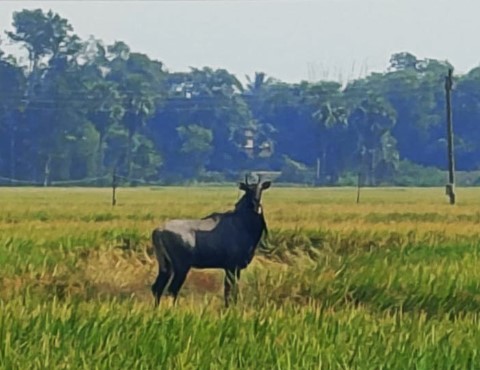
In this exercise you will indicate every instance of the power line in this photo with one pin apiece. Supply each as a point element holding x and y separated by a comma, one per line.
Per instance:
<point>177,1</point>
<point>55,182</point>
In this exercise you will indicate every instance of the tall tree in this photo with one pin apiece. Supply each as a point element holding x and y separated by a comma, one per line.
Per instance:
<point>52,50</point>
<point>12,84</point>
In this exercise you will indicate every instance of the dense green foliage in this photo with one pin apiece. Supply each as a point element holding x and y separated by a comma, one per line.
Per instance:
<point>364,286</point>
<point>74,109</point>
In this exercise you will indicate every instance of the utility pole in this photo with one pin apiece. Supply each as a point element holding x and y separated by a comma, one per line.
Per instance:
<point>450,188</point>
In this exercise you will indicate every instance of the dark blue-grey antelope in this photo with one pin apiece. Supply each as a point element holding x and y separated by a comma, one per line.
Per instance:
<point>221,240</point>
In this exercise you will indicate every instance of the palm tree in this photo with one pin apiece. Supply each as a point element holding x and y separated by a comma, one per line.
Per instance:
<point>373,119</point>
<point>140,106</point>
<point>105,111</point>
<point>329,116</point>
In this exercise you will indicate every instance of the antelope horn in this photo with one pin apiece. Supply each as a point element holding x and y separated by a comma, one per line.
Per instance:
<point>246,179</point>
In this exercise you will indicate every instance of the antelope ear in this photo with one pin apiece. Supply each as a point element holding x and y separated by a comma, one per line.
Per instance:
<point>266,185</point>
<point>242,186</point>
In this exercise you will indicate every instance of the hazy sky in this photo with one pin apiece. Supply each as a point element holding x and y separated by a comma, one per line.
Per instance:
<point>290,40</point>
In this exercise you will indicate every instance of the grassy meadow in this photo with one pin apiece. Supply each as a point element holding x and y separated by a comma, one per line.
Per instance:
<point>390,283</point>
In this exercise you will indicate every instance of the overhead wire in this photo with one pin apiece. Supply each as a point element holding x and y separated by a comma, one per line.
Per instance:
<point>8,180</point>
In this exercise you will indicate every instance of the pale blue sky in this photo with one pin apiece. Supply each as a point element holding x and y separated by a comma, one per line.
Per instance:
<point>290,40</point>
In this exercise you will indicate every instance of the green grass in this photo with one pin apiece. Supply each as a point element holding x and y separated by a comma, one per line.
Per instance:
<point>390,283</point>
<point>126,334</point>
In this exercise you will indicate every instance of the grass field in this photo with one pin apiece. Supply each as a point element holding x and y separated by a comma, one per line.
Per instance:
<point>390,283</point>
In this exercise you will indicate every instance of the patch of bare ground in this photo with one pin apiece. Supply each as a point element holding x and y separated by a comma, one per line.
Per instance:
<point>119,273</point>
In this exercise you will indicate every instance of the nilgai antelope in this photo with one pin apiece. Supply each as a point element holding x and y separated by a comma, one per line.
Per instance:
<point>221,240</point>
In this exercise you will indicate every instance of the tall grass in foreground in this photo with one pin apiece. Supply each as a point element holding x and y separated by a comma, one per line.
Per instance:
<point>112,334</point>
<point>390,283</point>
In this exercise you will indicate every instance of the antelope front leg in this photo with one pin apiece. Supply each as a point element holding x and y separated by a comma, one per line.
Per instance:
<point>231,285</point>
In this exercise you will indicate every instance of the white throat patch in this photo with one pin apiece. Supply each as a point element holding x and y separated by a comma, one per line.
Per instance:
<point>260,210</point>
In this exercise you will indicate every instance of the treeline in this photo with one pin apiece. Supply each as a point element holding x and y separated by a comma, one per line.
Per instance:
<point>76,109</point>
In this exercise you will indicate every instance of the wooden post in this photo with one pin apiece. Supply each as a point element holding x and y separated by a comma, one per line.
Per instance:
<point>114,186</point>
<point>450,188</point>
<point>358,186</point>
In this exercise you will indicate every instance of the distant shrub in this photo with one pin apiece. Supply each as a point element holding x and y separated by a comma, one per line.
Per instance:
<point>211,177</point>
<point>411,174</point>
<point>296,172</point>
